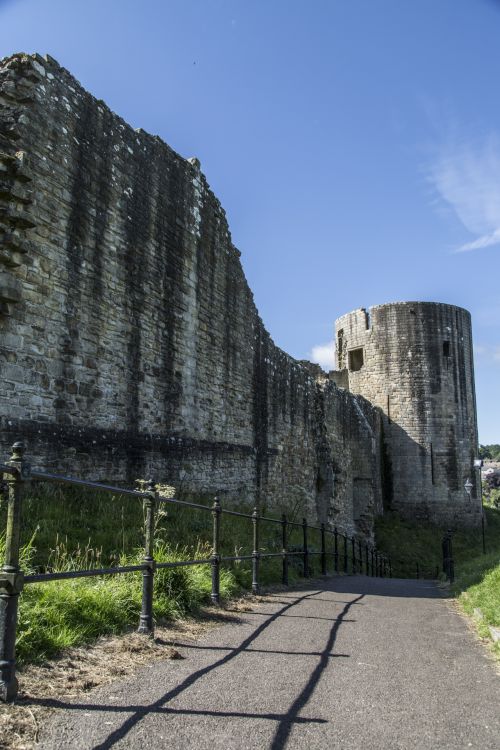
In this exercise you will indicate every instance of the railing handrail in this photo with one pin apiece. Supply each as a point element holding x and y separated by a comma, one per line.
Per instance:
<point>18,473</point>
<point>42,476</point>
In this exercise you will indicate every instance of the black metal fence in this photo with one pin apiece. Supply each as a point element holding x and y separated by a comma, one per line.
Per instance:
<point>339,552</point>
<point>448,563</point>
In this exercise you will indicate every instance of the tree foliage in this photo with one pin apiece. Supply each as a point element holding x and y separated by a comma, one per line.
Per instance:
<point>490,452</point>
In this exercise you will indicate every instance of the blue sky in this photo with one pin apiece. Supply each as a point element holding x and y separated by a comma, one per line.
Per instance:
<point>355,144</point>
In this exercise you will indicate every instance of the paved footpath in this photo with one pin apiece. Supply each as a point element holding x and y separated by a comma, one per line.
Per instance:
<point>350,662</point>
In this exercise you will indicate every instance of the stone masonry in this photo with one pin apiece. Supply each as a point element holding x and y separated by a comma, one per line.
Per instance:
<point>413,360</point>
<point>130,344</point>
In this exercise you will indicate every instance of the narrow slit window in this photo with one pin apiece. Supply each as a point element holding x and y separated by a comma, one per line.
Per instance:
<point>446,349</point>
<point>356,359</point>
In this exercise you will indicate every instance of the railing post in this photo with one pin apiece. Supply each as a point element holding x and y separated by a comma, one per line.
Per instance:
<point>448,563</point>
<point>367,565</point>
<point>255,553</point>
<point>323,550</point>
<point>376,563</point>
<point>483,536</point>
<point>336,549</point>
<point>444,547</point>
<point>390,568</point>
<point>146,621</point>
<point>305,552</point>
<point>360,557</point>
<point>451,562</point>
<point>353,552</point>
<point>215,557</point>
<point>284,541</point>
<point>11,576</point>
<point>346,566</point>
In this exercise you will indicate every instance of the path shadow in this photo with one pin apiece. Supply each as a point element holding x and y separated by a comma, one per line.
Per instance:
<point>285,720</point>
<point>286,723</point>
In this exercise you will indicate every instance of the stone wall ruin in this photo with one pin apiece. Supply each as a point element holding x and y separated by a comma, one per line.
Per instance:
<point>413,360</point>
<point>130,343</point>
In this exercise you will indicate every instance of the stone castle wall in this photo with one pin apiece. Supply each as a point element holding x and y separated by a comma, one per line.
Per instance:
<point>413,360</point>
<point>130,344</point>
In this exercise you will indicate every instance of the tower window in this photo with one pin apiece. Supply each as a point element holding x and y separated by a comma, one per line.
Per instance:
<point>356,360</point>
<point>446,349</point>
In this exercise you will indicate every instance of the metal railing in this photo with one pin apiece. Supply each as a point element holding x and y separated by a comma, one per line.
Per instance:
<point>448,563</point>
<point>348,554</point>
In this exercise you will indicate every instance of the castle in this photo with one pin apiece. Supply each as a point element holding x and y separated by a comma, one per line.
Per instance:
<point>131,346</point>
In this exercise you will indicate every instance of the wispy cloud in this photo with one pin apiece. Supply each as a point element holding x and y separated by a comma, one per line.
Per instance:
<point>466,176</point>
<point>324,355</point>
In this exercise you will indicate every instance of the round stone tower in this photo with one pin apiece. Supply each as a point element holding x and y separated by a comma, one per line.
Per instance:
<point>414,361</point>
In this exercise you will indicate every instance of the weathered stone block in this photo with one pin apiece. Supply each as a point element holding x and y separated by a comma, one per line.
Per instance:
<point>10,288</point>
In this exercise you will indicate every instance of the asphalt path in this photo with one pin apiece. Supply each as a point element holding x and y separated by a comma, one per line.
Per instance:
<point>349,662</point>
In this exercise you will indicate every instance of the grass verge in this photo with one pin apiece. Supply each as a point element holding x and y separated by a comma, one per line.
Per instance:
<point>60,614</point>
<point>66,529</point>
<point>477,575</point>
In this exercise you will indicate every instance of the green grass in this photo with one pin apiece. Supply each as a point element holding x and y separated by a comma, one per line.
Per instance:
<point>99,528</point>
<point>59,614</point>
<point>67,529</point>
<point>477,575</point>
<point>478,590</point>
<point>407,543</point>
